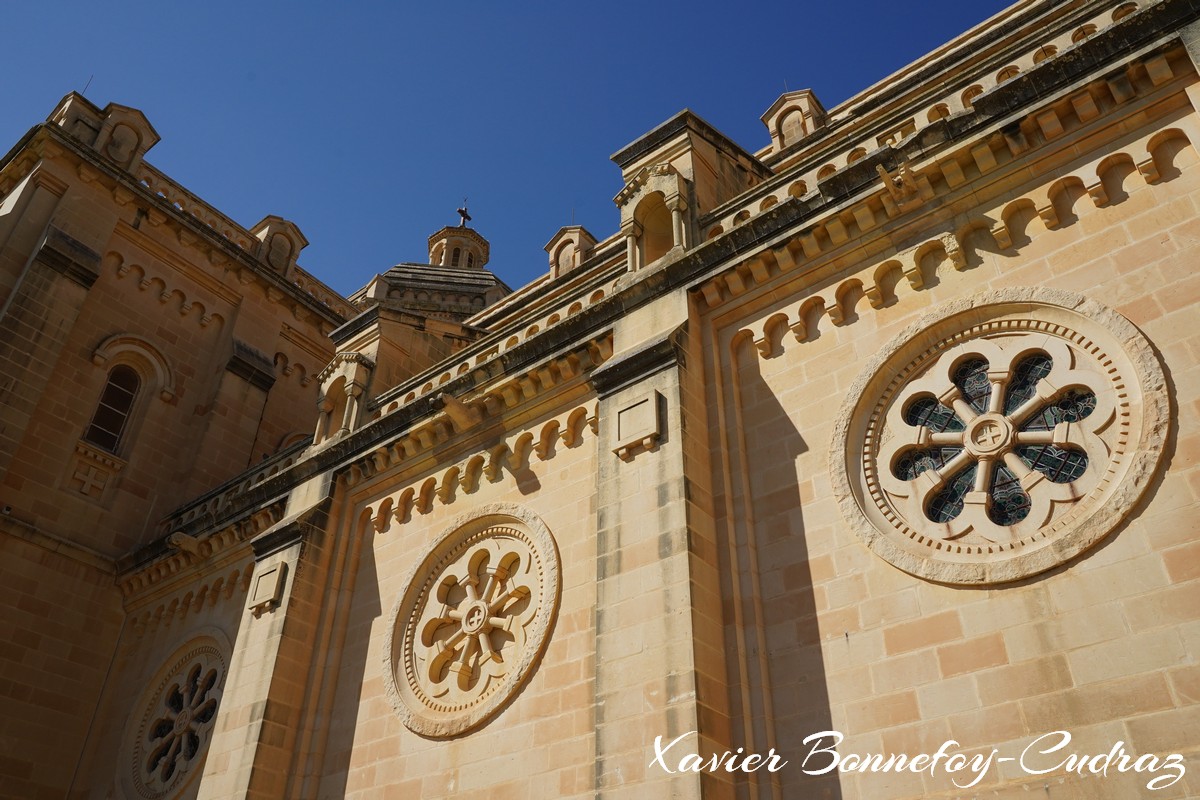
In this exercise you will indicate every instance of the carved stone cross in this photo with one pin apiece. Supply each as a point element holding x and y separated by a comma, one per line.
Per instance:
<point>90,479</point>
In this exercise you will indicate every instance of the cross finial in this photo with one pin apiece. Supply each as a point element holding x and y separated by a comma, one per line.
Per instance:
<point>462,212</point>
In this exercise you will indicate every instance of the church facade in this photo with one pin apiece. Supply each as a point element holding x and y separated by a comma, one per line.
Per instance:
<point>874,445</point>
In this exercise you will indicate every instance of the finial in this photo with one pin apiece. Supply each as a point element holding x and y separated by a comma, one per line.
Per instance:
<point>462,212</point>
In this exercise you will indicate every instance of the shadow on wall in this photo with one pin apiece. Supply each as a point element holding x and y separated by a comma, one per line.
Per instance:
<point>352,672</point>
<point>779,692</point>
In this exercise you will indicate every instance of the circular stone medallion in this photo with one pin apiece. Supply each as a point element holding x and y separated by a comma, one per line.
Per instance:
<point>1000,436</point>
<point>473,620</point>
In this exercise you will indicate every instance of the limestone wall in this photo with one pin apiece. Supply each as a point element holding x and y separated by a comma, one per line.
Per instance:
<point>541,743</point>
<point>1100,645</point>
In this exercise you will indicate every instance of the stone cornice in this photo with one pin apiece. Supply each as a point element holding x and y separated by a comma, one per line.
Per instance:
<point>251,366</point>
<point>683,122</point>
<point>605,263</point>
<point>831,289</point>
<point>404,316</point>
<point>344,358</point>
<point>463,416</point>
<point>184,550</point>
<point>634,365</point>
<point>170,258</point>
<point>125,187</point>
<point>69,258</point>
<point>969,56</point>
<point>218,583</point>
<point>290,530</point>
<point>1148,25</point>
<point>515,379</point>
<point>850,200</point>
<point>515,453</point>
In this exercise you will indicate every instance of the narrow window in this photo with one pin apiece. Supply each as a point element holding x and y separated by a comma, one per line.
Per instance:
<point>113,410</point>
<point>470,260</point>
<point>455,256</point>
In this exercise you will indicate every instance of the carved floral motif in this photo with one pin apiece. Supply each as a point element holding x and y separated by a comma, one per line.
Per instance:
<point>474,619</point>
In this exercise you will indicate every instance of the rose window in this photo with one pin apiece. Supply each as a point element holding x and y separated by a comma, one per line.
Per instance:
<point>991,438</point>
<point>994,439</point>
<point>472,622</point>
<point>996,449</point>
<point>178,722</point>
<point>189,707</point>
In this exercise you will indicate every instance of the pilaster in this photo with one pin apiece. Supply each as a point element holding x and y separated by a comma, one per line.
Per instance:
<point>37,318</point>
<point>252,750</point>
<point>647,591</point>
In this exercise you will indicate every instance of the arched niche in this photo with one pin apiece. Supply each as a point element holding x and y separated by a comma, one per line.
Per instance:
<point>653,207</point>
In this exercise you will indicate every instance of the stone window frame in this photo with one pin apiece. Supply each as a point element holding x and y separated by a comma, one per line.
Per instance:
<point>1114,347</point>
<point>155,377</point>
<point>449,554</point>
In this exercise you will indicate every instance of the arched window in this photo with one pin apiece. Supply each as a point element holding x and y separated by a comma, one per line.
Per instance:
<point>455,256</point>
<point>470,260</point>
<point>112,412</point>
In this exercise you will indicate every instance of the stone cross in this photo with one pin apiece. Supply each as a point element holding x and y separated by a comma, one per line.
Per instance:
<point>90,479</point>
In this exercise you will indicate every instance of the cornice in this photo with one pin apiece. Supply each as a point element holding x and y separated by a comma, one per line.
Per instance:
<point>858,121</point>
<point>503,386</point>
<point>857,202</point>
<point>515,454</point>
<point>635,365</point>
<point>459,417</point>
<point>222,252</point>
<point>834,295</point>
<point>180,552</point>
<point>683,122</point>
<point>344,358</point>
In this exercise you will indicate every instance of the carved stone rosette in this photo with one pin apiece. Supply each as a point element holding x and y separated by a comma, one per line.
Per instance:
<point>473,620</point>
<point>179,712</point>
<point>1000,436</point>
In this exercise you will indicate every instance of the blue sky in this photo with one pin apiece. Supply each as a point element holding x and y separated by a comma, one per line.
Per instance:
<point>366,123</point>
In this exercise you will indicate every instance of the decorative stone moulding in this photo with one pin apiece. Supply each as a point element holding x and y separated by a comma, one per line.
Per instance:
<point>473,621</point>
<point>1000,436</point>
<point>179,711</point>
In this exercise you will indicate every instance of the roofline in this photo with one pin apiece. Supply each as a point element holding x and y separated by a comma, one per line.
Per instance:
<point>681,122</point>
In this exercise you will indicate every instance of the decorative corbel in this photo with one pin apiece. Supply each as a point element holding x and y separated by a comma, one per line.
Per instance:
<point>462,415</point>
